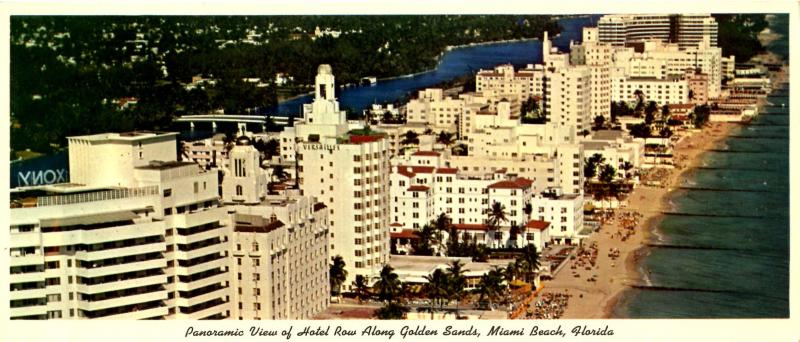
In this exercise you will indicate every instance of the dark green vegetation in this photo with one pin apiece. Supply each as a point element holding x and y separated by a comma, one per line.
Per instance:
<point>738,34</point>
<point>68,73</point>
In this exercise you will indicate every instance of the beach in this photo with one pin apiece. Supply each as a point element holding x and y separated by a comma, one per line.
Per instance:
<point>594,290</point>
<point>615,264</point>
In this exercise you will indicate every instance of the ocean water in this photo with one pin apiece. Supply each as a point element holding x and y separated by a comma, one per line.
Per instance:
<point>728,257</point>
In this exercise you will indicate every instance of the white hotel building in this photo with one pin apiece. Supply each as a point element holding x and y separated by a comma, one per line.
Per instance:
<point>137,235</point>
<point>347,169</point>
<point>281,259</point>
<point>423,187</point>
<point>687,30</point>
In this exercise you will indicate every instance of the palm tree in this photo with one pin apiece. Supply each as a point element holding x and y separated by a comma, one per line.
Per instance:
<point>457,282</point>
<point>442,223</point>
<point>530,260</point>
<point>337,274</point>
<point>436,288</point>
<point>411,138</point>
<point>428,237</point>
<point>491,285</point>
<point>391,311</point>
<point>445,138</point>
<point>388,286</point>
<point>607,175</point>
<point>460,150</point>
<point>362,289</point>
<point>627,166</point>
<point>513,233</point>
<point>497,215</point>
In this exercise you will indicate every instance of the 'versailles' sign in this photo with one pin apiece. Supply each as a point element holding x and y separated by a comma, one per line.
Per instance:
<point>40,171</point>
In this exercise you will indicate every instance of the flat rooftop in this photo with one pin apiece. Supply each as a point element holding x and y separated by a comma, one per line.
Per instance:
<point>124,136</point>
<point>156,165</point>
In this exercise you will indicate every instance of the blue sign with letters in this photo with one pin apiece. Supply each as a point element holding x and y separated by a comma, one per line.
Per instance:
<point>43,170</point>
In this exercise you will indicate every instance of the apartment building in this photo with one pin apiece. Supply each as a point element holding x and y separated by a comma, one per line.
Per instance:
<point>281,259</point>
<point>346,167</point>
<point>655,59</point>
<point>434,109</point>
<point>598,56</point>
<point>663,91</point>
<point>206,152</point>
<point>504,81</point>
<point>144,241</point>
<point>564,212</point>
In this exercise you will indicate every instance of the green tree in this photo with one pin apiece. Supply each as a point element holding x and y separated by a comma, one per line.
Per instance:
<point>411,138</point>
<point>436,288</point>
<point>388,286</point>
<point>599,122</point>
<point>391,310</point>
<point>530,261</point>
<point>445,138</point>
<point>337,274</point>
<point>362,289</point>
<point>496,216</point>
<point>700,116</point>
<point>640,130</point>
<point>457,282</point>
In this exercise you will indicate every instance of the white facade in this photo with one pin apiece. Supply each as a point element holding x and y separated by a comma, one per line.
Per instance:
<point>348,171</point>
<point>432,108</point>
<point>662,91</point>
<point>688,30</point>
<point>152,246</point>
<point>281,259</point>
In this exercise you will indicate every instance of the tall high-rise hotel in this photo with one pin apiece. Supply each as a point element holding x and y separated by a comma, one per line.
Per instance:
<point>136,235</point>
<point>686,30</point>
<point>346,167</point>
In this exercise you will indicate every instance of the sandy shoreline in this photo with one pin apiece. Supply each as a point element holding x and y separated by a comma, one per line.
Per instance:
<point>598,299</point>
<point>592,300</point>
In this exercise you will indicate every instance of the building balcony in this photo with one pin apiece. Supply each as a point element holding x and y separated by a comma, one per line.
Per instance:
<point>155,312</point>
<point>94,236</point>
<point>122,300</point>
<point>199,299</point>
<point>213,264</point>
<point>26,277</point>
<point>28,311</point>
<point>200,217</point>
<point>187,239</point>
<point>28,259</point>
<point>216,308</point>
<point>27,294</point>
<point>122,284</point>
<point>188,255</point>
<point>122,268</point>
<point>121,252</point>
<point>218,278</point>
<point>25,239</point>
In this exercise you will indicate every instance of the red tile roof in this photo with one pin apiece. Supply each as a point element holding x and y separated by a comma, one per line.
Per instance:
<point>420,169</point>
<point>417,188</point>
<point>360,139</point>
<point>518,183</point>
<point>405,172</point>
<point>426,153</point>
<point>537,224</point>
<point>465,226</point>
<point>450,170</point>
<point>405,234</point>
